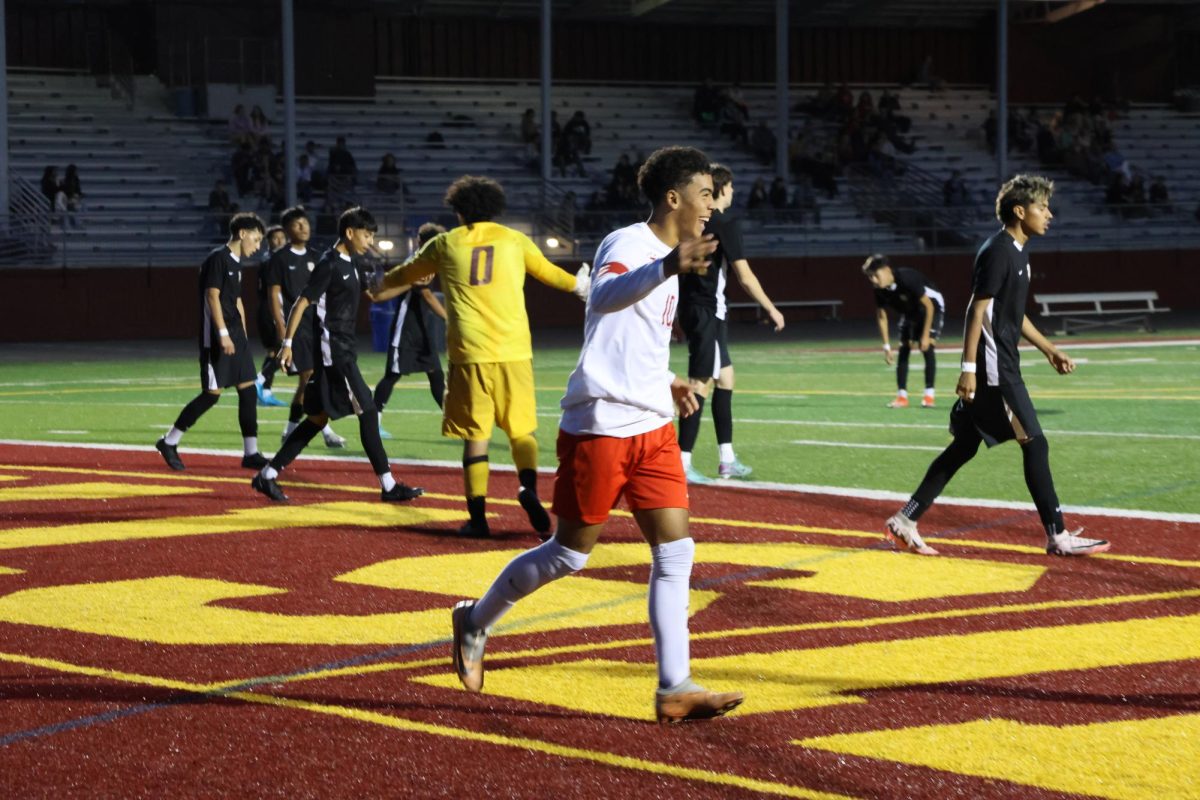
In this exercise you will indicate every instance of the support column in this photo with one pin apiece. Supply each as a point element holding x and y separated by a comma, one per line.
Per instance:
<point>3,119</point>
<point>781,89</point>
<point>547,134</point>
<point>287,38</point>
<point>1001,91</point>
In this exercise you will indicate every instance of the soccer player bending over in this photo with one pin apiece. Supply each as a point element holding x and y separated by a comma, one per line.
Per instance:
<point>225,358</point>
<point>337,388</point>
<point>922,310</point>
<point>616,435</point>
<point>993,404</point>
<point>482,265</point>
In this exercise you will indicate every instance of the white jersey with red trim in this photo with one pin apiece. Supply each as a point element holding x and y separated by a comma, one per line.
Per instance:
<point>622,384</point>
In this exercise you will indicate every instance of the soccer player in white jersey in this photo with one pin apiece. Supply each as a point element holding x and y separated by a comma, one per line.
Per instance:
<point>616,435</point>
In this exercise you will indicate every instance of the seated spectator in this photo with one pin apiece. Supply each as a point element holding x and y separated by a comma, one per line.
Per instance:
<point>239,126</point>
<point>260,127</point>
<point>758,195</point>
<point>72,188</point>
<point>778,195</point>
<point>50,186</point>
<point>579,131</point>
<point>304,178</point>
<point>529,127</point>
<point>341,162</point>
<point>315,163</point>
<point>435,141</point>
<point>705,103</point>
<point>1115,161</point>
<point>567,155</point>
<point>387,179</point>
<point>241,166</point>
<point>888,102</point>
<point>732,118</point>
<point>954,190</point>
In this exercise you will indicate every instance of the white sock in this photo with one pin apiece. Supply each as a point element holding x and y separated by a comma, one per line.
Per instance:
<point>387,481</point>
<point>260,379</point>
<point>902,393</point>
<point>670,579</point>
<point>250,445</point>
<point>288,427</point>
<point>929,392</point>
<point>523,576</point>
<point>173,437</point>
<point>269,472</point>
<point>726,451</point>
<point>267,392</point>
<point>327,431</point>
<point>687,459</point>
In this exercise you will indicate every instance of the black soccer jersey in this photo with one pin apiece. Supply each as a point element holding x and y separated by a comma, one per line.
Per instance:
<point>904,296</point>
<point>703,290</point>
<point>290,271</point>
<point>220,271</point>
<point>1001,273</point>
<point>334,288</point>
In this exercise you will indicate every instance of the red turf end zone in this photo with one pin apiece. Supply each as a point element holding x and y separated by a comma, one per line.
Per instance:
<point>166,633</point>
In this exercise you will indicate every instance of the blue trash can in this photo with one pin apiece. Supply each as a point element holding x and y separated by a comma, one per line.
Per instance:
<point>381,321</point>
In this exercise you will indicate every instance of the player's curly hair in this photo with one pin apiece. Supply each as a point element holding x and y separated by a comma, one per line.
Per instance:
<point>670,168</point>
<point>722,176</point>
<point>875,262</point>
<point>427,232</point>
<point>476,198</point>
<point>1021,190</point>
<point>245,221</point>
<point>356,217</point>
<point>292,214</point>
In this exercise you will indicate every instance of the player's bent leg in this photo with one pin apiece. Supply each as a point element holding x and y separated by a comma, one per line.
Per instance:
<point>248,423</point>
<point>1035,455</point>
<point>902,355</point>
<point>525,457</point>
<point>168,445</point>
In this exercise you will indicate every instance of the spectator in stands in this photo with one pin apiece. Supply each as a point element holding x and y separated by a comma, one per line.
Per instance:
<point>530,136</point>
<point>566,154</point>
<point>304,179</point>
<point>72,188</point>
<point>260,126</point>
<point>732,117</point>
<point>579,131</point>
<point>239,126</point>
<point>843,103</point>
<point>241,167</point>
<point>778,194</point>
<point>865,109</point>
<point>624,173</point>
<point>762,142</point>
<point>882,157</point>
<point>50,186</point>
<point>888,102</point>
<point>387,179</point>
<point>758,195</point>
<point>954,190</point>
<point>341,161</point>
<point>316,164</point>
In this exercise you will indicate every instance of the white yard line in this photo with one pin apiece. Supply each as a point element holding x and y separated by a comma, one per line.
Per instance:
<point>819,443</point>
<point>798,488</point>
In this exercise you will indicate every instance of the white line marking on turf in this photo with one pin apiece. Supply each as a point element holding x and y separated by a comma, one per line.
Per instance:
<point>816,423</point>
<point>796,488</point>
<point>819,443</point>
<point>97,382</point>
<point>69,433</point>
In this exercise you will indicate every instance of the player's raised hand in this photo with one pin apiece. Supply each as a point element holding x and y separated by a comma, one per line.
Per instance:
<point>583,282</point>
<point>685,398</point>
<point>1063,364</point>
<point>691,256</point>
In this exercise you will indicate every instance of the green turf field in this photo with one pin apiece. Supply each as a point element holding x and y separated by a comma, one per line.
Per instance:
<point>1124,430</point>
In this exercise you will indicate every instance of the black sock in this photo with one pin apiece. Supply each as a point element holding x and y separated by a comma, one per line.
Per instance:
<point>296,410</point>
<point>368,432</point>
<point>477,508</point>
<point>930,367</point>
<point>248,411</point>
<point>195,409</point>
<point>383,389</point>
<point>1036,457</point>
<point>943,468</point>
<point>914,508</point>
<point>722,413</point>
<point>528,479</point>
<point>902,366</point>
<point>296,441</point>
<point>689,427</point>
<point>270,366</point>
<point>437,385</point>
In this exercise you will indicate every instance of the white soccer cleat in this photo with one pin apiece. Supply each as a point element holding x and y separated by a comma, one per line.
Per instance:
<point>332,440</point>
<point>583,282</point>
<point>902,532</point>
<point>1070,543</point>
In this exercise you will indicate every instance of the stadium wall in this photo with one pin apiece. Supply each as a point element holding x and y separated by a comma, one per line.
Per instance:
<point>140,303</point>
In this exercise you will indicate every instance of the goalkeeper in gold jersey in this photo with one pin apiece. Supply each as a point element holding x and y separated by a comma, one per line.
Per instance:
<point>482,266</point>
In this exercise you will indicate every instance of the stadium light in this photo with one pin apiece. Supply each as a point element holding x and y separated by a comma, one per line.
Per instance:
<point>552,242</point>
<point>386,245</point>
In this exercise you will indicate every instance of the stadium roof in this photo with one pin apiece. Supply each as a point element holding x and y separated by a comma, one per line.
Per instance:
<point>815,13</point>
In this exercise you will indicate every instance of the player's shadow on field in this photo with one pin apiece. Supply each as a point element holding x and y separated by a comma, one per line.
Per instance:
<point>1158,700</point>
<point>497,534</point>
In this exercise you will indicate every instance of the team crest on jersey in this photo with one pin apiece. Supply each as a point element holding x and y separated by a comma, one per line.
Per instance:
<point>311,266</point>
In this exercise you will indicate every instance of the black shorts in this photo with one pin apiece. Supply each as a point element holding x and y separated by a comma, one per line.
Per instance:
<point>268,334</point>
<point>338,390</point>
<point>999,413</point>
<point>219,371</point>
<point>910,327</point>
<point>303,351</point>
<point>708,342</point>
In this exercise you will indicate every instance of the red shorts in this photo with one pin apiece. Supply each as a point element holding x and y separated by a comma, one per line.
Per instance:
<point>594,471</point>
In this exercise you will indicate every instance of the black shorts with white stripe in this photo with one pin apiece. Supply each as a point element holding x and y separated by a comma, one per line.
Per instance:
<point>998,414</point>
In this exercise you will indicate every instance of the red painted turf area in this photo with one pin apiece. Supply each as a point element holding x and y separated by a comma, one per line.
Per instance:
<point>67,733</point>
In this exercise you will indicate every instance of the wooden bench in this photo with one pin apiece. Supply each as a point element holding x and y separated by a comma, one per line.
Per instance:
<point>1086,310</point>
<point>833,307</point>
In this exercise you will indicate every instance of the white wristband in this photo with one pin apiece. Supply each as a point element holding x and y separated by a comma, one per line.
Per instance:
<point>887,348</point>
<point>286,343</point>
<point>968,367</point>
<point>223,332</point>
